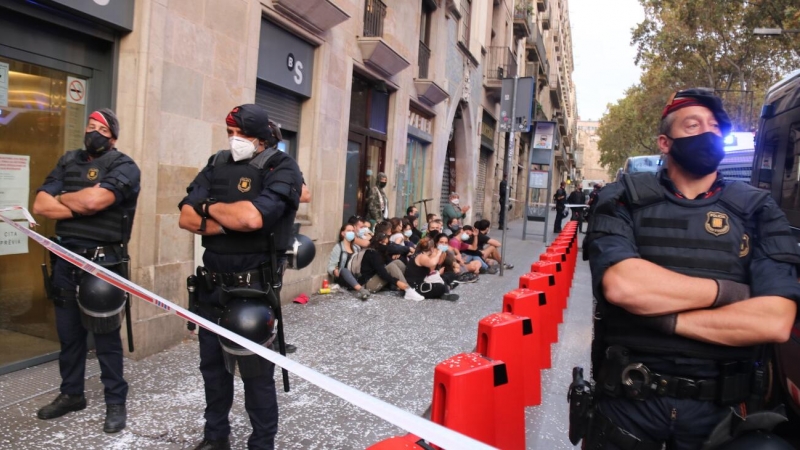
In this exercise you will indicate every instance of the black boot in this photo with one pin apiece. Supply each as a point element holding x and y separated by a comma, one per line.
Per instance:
<point>208,444</point>
<point>116,416</point>
<point>61,405</point>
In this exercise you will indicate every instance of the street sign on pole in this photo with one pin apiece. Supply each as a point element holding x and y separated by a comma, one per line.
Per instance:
<point>523,95</point>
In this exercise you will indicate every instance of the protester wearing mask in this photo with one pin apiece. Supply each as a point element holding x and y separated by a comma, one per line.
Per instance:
<point>339,262</point>
<point>408,233</point>
<point>422,275</point>
<point>92,194</point>
<point>413,220</point>
<point>377,201</point>
<point>454,270</point>
<point>453,227</point>
<point>467,242</point>
<point>454,209</point>
<point>362,230</point>
<point>376,274</point>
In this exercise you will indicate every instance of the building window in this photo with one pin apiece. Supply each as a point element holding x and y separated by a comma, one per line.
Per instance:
<point>374,12</point>
<point>466,15</point>
<point>424,55</point>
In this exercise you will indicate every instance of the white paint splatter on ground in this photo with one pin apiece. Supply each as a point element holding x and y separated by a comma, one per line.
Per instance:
<point>387,347</point>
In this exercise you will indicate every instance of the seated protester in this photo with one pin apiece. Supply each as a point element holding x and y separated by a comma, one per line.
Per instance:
<point>408,232</point>
<point>396,236</point>
<point>490,248</point>
<point>453,227</point>
<point>423,264</point>
<point>416,234</point>
<point>362,230</point>
<point>384,227</point>
<point>453,269</point>
<point>472,267</point>
<point>341,254</point>
<point>434,226</point>
<point>428,218</point>
<point>468,243</point>
<point>376,274</point>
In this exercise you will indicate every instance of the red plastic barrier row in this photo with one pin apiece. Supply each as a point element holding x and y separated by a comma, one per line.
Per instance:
<point>484,394</point>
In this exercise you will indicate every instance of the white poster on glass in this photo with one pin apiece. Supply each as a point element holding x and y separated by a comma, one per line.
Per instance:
<point>15,174</point>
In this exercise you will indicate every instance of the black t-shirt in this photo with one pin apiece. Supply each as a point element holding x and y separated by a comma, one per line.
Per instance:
<point>560,198</point>
<point>415,274</point>
<point>483,239</point>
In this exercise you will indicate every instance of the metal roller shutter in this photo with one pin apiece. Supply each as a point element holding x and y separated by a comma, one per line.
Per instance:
<point>283,108</point>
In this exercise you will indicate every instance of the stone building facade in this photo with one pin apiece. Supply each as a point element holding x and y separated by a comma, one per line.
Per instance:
<point>358,86</point>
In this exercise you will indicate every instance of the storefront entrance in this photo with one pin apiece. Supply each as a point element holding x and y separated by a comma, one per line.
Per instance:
<point>50,79</point>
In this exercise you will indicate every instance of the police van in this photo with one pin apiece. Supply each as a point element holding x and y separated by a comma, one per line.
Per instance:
<point>737,164</point>
<point>776,168</point>
<point>636,164</point>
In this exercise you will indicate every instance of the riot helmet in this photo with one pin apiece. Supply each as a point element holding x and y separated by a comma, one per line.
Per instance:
<point>302,252</point>
<point>757,440</point>
<point>102,305</point>
<point>247,313</point>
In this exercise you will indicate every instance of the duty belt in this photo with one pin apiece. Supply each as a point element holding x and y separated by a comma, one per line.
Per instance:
<point>95,252</point>
<point>232,279</point>
<point>639,383</point>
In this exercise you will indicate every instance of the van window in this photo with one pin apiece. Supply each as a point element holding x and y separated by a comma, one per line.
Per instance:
<point>790,189</point>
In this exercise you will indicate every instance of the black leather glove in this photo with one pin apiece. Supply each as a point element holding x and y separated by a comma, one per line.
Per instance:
<point>729,292</point>
<point>663,324</point>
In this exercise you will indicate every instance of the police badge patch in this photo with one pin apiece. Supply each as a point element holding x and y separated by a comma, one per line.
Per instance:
<point>717,223</point>
<point>244,184</point>
<point>744,247</point>
<point>92,174</point>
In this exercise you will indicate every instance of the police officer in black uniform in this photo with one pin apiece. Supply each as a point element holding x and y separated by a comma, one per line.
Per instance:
<point>236,202</point>
<point>693,276</point>
<point>92,194</point>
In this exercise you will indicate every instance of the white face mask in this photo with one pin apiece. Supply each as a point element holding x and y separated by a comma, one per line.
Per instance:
<point>241,148</point>
<point>454,201</point>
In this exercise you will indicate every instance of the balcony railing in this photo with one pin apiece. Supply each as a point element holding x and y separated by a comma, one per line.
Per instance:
<point>500,63</point>
<point>374,12</point>
<point>423,58</point>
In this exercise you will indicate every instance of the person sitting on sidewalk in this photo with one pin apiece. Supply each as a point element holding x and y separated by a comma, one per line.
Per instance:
<point>416,234</point>
<point>422,275</point>
<point>339,261</point>
<point>453,227</point>
<point>452,267</point>
<point>408,233</point>
<point>362,230</point>
<point>467,240</point>
<point>489,248</point>
<point>428,218</point>
<point>375,274</point>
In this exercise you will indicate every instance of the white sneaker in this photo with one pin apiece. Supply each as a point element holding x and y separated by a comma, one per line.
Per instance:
<point>412,294</point>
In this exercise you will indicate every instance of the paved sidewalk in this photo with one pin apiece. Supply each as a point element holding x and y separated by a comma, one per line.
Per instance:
<point>387,347</point>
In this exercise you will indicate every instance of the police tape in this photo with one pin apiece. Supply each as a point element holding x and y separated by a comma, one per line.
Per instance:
<point>412,423</point>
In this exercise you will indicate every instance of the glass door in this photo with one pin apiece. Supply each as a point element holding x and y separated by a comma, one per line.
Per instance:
<point>37,124</point>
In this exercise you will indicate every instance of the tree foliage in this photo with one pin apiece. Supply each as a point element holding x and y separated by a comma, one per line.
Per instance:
<point>700,43</point>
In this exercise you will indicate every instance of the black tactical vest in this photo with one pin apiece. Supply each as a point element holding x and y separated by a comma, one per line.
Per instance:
<point>244,180</point>
<point>706,238</point>
<point>109,226</point>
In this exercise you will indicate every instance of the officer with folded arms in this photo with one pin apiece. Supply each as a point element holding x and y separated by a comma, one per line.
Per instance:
<point>92,195</point>
<point>243,202</point>
<point>693,276</point>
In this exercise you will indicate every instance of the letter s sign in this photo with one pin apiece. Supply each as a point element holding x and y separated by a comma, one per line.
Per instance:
<point>298,72</point>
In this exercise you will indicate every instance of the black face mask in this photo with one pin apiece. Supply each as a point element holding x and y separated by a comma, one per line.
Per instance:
<point>381,184</point>
<point>699,155</point>
<point>96,143</point>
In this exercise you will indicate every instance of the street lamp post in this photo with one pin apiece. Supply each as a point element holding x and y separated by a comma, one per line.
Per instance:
<point>773,31</point>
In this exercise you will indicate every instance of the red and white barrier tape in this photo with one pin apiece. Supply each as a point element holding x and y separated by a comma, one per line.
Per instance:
<point>416,425</point>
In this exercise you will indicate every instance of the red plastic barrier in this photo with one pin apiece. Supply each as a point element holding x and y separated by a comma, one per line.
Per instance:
<point>510,338</point>
<point>562,289</point>
<point>545,283</point>
<point>407,442</point>
<point>569,261</point>
<point>470,395</point>
<point>531,304</point>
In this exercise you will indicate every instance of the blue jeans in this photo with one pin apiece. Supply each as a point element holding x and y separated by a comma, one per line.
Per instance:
<point>469,258</point>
